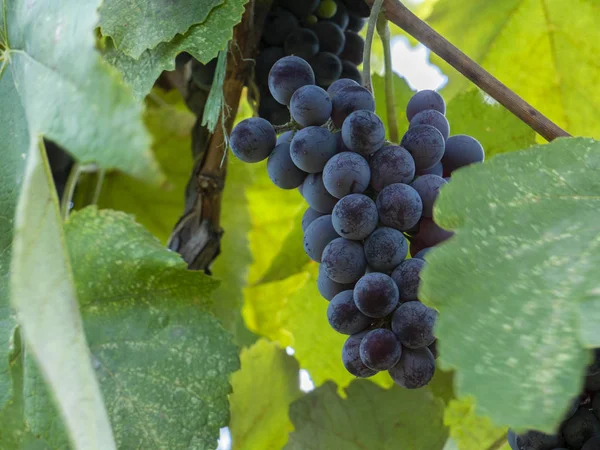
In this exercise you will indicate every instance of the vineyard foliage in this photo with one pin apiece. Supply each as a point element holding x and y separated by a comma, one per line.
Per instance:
<point>108,341</point>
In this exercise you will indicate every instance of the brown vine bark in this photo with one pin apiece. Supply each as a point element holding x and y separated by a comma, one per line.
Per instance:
<point>197,235</point>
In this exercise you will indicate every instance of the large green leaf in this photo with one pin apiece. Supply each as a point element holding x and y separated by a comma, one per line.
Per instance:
<point>370,418</point>
<point>136,26</point>
<point>202,41</point>
<point>517,287</point>
<point>543,50</point>
<point>47,308</point>
<point>263,390</point>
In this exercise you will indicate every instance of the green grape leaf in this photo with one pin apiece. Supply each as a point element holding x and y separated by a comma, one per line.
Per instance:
<point>402,94</point>
<point>516,286</point>
<point>543,50</point>
<point>370,418</point>
<point>263,390</point>
<point>47,308</point>
<point>498,130</point>
<point>202,41</point>
<point>136,26</point>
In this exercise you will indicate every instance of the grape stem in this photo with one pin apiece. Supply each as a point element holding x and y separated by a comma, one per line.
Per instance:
<point>400,15</point>
<point>383,30</point>
<point>376,9</point>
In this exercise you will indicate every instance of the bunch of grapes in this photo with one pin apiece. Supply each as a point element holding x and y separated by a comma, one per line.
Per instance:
<point>369,202</point>
<point>580,429</point>
<point>323,32</point>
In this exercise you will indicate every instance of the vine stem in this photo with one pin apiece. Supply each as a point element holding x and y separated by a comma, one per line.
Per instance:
<point>401,16</point>
<point>369,43</point>
<point>383,30</point>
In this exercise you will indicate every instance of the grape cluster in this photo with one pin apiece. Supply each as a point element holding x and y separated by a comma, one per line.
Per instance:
<point>369,202</point>
<point>322,32</point>
<point>580,429</point>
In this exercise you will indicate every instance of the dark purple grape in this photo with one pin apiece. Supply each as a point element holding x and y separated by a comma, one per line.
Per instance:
<point>344,260</point>
<point>426,145</point>
<point>582,426</point>
<point>354,48</point>
<point>399,206</point>
<point>327,68</point>
<point>315,194</point>
<point>301,42</point>
<point>278,24</point>
<point>349,99</point>
<point>392,164</point>
<point>329,288</point>
<point>376,295</point>
<point>421,253</point>
<point>288,75</point>
<point>351,357</point>
<point>363,132</point>
<point>461,151</point>
<point>407,277</point>
<point>310,215</point>
<point>331,37</point>
<point>341,15</point>
<point>592,444</point>
<point>285,138</point>
<point>264,62</point>
<point>340,84</point>
<point>415,368</point>
<point>312,147</point>
<point>253,140</point>
<point>346,173</point>
<point>343,315</point>
<point>349,70</point>
<point>318,234</point>
<point>434,118</point>
<point>430,234</point>
<point>438,170</point>
<point>355,23</point>
<point>424,100</point>
<point>355,217</point>
<point>358,7</point>
<point>413,324</point>
<point>300,8</point>
<point>380,349</point>
<point>536,440</point>
<point>428,187</point>
<point>282,170</point>
<point>273,111</point>
<point>385,248</point>
<point>310,105</point>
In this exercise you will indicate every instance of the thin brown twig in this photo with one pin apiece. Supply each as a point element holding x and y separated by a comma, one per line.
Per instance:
<point>400,15</point>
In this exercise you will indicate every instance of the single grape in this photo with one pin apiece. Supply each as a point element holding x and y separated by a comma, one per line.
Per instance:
<point>385,249</point>
<point>331,37</point>
<point>349,99</point>
<point>426,145</point>
<point>278,24</point>
<point>340,84</point>
<point>415,368</point>
<point>461,151</point>
<point>355,22</point>
<point>340,18</point>
<point>343,315</point>
<point>353,48</point>
<point>327,9</point>
<point>430,234</point>
<point>309,216</point>
<point>346,173</point>
<point>287,75</point>
<point>312,147</point>
<point>413,324</point>
<point>363,132</point>
<point>424,100</point>
<point>391,164</point>
<point>273,111</point>
<point>327,68</point>
<point>310,105</point>
<point>317,236</point>
<point>253,140</point>
<point>285,138</point>
<point>315,194</point>
<point>428,187</point>
<point>407,277</point>
<point>300,8</point>
<point>355,217</point>
<point>264,62</point>
<point>434,118</point>
<point>536,440</point>
<point>344,260</point>
<point>329,288</point>
<point>351,357</point>
<point>281,169</point>
<point>380,349</point>
<point>349,70</point>
<point>438,170</point>
<point>358,7</point>
<point>203,74</point>
<point>376,295</point>
<point>592,444</point>
<point>399,206</point>
<point>582,426</point>
<point>422,253</point>
<point>301,42</point>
